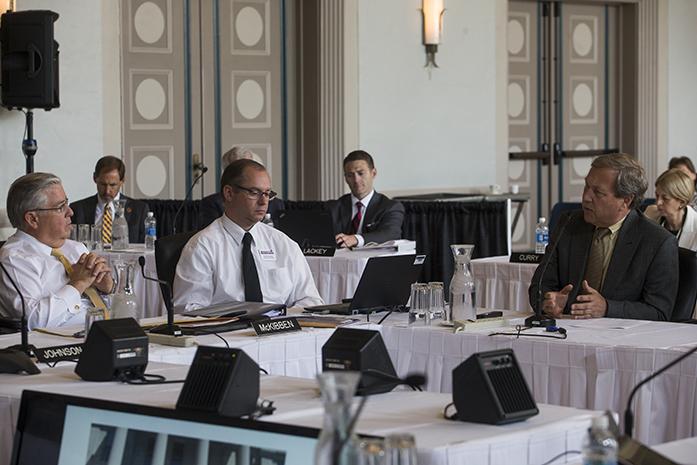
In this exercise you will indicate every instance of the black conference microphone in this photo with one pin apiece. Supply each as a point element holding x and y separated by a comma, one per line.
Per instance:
<point>170,328</point>
<point>539,320</point>
<point>24,346</point>
<point>188,194</point>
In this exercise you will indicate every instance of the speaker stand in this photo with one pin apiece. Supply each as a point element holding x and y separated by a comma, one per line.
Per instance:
<point>29,146</point>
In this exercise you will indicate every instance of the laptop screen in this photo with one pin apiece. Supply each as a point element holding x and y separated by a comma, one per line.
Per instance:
<point>54,429</point>
<point>307,227</point>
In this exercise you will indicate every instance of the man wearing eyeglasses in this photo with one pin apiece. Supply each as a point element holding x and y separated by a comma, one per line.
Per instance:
<point>237,257</point>
<point>211,207</point>
<point>57,277</point>
<point>100,209</point>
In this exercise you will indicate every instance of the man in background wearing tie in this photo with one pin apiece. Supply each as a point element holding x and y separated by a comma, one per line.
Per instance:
<point>364,215</point>
<point>610,259</point>
<point>99,209</point>
<point>57,277</point>
<point>237,258</point>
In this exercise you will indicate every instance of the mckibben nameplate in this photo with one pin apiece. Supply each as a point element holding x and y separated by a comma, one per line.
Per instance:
<point>277,325</point>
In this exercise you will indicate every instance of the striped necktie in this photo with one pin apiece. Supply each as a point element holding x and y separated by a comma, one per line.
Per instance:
<point>106,225</point>
<point>596,258</point>
<point>90,292</point>
<point>356,221</point>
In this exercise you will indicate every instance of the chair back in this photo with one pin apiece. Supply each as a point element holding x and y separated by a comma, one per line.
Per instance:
<point>168,249</point>
<point>557,211</point>
<point>687,286</point>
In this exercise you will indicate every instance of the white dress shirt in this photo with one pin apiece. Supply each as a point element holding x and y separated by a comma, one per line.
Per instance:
<point>365,201</point>
<point>209,271</point>
<point>99,211</point>
<point>50,300</point>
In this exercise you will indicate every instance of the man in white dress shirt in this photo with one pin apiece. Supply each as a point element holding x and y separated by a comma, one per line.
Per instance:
<point>239,258</point>
<point>39,255</point>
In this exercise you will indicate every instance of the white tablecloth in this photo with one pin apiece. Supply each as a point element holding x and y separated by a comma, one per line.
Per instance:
<point>500,284</point>
<point>683,451</point>
<point>147,293</point>
<point>595,368</point>
<point>337,277</point>
<point>439,441</point>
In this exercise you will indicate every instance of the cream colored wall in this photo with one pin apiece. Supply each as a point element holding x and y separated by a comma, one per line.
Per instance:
<point>88,123</point>
<point>439,132</point>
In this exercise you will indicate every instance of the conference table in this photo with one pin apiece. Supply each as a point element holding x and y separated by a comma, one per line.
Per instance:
<point>553,431</point>
<point>501,284</point>
<point>595,367</point>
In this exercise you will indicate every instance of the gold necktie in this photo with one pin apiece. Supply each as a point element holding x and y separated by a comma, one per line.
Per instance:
<point>596,258</point>
<point>90,292</point>
<point>106,225</point>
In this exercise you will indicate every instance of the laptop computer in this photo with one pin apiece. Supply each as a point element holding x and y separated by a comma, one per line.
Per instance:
<point>384,285</point>
<point>309,228</point>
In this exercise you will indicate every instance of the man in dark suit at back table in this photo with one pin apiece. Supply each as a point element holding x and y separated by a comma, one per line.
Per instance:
<point>211,207</point>
<point>364,215</point>
<point>108,175</point>
<point>610,260</point>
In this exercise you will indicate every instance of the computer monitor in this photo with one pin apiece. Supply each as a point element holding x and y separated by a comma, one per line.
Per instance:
<point>54,429</point>
<point>309,228</point>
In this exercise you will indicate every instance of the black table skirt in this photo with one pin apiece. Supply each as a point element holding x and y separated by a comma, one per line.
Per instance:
<point>433,225</point>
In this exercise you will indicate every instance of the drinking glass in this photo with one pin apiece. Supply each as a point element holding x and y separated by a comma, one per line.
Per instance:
<point>96,236</point>
<point>372,452</point>
<point>418,309</point>
<point>436,306</point>
<point>83,235</point>
<point>400,449</point>
<point>73,232</point>
<point>91,315</point>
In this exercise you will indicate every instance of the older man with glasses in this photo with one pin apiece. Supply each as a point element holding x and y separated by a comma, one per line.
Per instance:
<point>57,277</point>
<point>239,258</point>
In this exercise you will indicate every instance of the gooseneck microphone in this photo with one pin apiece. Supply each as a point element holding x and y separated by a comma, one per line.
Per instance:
<point>24,346</point>
<point>539,320</point>
<point>170,328</point>
<point>186,197</point>
<point>628,414</point>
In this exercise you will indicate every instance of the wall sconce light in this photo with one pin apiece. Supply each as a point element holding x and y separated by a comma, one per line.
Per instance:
<point>433,27</point>
<point>7,5</point>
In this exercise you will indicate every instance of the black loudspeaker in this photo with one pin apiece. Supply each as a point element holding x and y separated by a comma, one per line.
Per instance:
<point>221,380</point>
<point>489,387</point>
<point>361,350</point>
<point>113,349</point>
<point>29,60</point>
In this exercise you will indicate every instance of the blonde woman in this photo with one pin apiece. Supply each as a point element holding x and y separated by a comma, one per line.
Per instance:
<point>674,191</point>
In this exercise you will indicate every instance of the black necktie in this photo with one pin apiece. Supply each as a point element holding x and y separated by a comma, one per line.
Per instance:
<point>252,289</point>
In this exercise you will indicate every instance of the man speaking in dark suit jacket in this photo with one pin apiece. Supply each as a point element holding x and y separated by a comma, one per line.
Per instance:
<point>610,260</point>
<point>108,176</point>
<point>364,215</point>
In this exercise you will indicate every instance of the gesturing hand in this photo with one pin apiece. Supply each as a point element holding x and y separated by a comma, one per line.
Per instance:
<point>554,302</point>
<point>590,304</point>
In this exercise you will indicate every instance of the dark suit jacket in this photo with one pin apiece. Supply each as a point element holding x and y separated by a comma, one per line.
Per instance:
<point>382,222</point>
<point>211,208</point>
<point>136,212</point>
<point>641,281</point>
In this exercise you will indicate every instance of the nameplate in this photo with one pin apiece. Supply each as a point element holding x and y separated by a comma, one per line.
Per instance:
<point>319,251</point>
<point>58,353</point>
<point>277,325</point>
<point>526,257</point>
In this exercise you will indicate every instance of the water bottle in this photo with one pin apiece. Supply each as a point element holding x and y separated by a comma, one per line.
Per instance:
<point>150,231</point>
<point>600,445</point>
<point>268,220</point>
<point>541,235</point>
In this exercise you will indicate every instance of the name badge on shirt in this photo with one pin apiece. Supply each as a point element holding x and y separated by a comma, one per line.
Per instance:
<point>269,255</point>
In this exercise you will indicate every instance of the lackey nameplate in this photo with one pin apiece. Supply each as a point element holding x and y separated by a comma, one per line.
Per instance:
<point>318,251</point>
<point>277,325</point>
<point>58,353</point>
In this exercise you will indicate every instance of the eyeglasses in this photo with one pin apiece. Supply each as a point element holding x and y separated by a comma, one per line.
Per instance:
<point>62,208</point>
<point>256,194</point>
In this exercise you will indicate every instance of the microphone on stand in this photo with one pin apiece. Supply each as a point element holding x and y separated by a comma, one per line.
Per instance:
<point>539,320</point>
<point>193,184</point>
<point>170,328</point>
<point>16,358</point>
